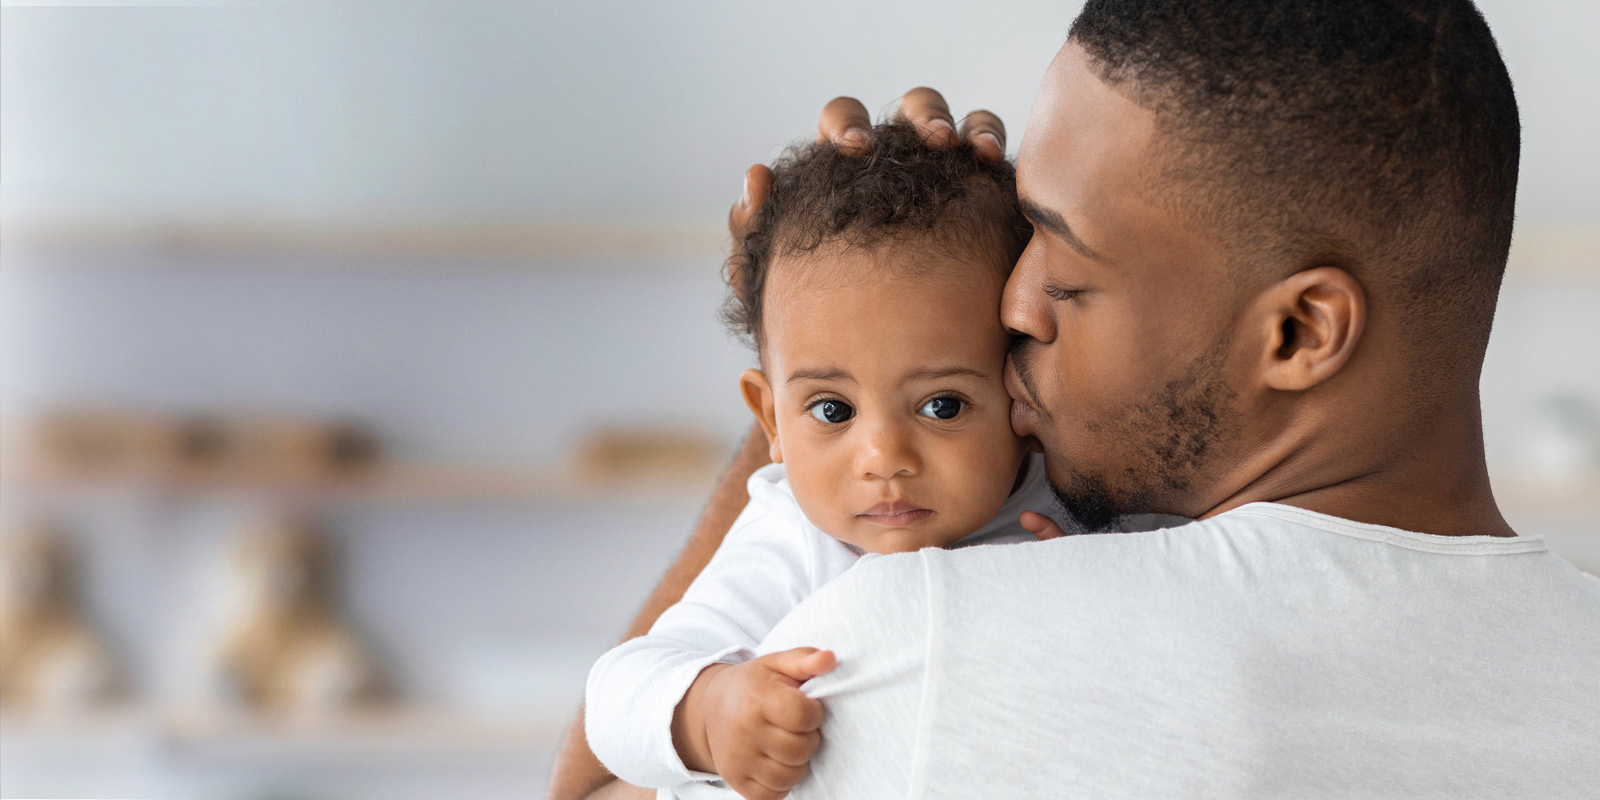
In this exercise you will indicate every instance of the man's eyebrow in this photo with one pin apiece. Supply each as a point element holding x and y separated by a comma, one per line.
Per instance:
<point>935,373</point>
<point>1052,222</point>
<point>819,375</point>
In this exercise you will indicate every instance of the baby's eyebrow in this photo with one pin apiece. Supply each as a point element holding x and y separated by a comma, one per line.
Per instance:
<point>935,373</point>
<point>819,375</point>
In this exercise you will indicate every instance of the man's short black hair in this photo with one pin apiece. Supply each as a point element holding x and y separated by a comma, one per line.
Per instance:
<point>901,194</point>
<point>1380,136</point>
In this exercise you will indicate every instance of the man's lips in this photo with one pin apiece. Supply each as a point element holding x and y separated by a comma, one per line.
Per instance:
<point>1022,413</point>
<point>895,515</point>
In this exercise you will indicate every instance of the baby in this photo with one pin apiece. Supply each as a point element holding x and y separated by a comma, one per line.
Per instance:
<point>870,287</point>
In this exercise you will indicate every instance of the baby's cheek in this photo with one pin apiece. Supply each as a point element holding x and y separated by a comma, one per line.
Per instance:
<point>989,482</point>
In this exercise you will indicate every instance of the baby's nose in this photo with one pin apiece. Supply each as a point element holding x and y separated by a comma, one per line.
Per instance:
<point>887,452</point>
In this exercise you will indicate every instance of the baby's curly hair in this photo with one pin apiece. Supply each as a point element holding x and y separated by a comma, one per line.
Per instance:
<point>901,193</point>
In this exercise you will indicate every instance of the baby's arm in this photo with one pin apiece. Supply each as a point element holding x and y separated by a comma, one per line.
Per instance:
<point>750,723</point>
<point>767,565</point>
<point>576,773</point>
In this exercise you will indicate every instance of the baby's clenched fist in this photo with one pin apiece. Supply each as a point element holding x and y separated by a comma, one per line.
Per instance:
<point>751,722</point>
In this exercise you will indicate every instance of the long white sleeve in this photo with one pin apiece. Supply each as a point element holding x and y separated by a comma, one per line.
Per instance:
<point>771,559</point>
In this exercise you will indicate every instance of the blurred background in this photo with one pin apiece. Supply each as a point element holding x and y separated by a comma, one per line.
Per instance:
<point>360,371</point>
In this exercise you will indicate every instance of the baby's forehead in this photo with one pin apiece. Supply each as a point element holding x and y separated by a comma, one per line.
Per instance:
<point>892,310</point>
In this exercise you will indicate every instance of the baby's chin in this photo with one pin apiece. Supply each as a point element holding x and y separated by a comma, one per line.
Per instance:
<point>887,541</point>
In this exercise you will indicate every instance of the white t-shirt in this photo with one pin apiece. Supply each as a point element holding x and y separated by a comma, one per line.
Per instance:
<point>771,560</point>
<point>1266,652</point>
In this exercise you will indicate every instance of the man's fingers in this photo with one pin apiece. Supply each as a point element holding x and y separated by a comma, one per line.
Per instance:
<point>986,133</point>
<point>757,183</point>
<point>926,109</point>
<point>800,664</point>
<point>1041,526</point>
<point>845,122</point>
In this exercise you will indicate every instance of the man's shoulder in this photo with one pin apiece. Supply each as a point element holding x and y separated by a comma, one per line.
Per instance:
<point>874,579</point>
<point>890,595</point>
<point>877,596</point>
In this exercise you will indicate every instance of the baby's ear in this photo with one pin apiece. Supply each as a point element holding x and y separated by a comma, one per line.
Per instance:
<point>758,396</point>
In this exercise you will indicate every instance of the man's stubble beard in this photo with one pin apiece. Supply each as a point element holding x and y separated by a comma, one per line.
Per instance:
<point>1171,440</point>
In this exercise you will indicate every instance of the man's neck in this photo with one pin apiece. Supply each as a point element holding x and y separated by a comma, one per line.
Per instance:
<point>1433,480</point>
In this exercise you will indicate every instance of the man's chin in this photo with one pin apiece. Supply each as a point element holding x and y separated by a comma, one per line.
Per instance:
<point>1088,501</point>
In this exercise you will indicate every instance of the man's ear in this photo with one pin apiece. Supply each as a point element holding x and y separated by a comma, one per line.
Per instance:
<point>1312,321</point>
<point>758,396</point>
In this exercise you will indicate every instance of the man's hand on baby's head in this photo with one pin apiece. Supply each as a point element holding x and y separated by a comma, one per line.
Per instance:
<point>760,728</point>
<point>846,123</point>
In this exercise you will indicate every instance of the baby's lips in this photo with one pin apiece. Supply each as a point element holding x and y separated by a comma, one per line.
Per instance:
<point>892,509</point>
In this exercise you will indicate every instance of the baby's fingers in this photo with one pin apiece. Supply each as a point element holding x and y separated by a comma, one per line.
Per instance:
<point>776,778</point>
<point>800,664</point>
<point>790,748</point>
<point>1040,526</point>
<point>793,711</point>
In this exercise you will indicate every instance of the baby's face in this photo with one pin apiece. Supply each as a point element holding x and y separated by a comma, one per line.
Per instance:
<point>886,396</point>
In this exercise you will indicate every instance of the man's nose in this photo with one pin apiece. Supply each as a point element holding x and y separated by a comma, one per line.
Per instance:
<point>887,452</point>
<point>1024,308</point>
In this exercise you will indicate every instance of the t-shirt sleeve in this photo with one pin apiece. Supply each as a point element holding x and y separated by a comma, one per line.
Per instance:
<point>764,568</point>
<point>875,620</point>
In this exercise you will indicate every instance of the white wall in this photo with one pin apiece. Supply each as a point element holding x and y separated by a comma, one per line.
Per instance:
<point>506,110</point>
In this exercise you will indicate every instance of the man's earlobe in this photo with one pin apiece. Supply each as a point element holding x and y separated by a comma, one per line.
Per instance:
<point>1315,321</point>
<point>758,396</point>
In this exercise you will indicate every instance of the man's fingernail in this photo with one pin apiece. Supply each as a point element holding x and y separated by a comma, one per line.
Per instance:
<point>744,196</point>
<point>990,138</point>
<point>854,138</point>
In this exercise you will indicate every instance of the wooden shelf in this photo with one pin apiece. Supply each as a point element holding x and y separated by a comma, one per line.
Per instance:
<point>283,245</point>
<point>388,483</point>
<point>396,733</point>
<point>217,735</point>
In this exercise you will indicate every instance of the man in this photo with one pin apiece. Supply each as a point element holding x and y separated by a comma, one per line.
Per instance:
<point>1269,240</point>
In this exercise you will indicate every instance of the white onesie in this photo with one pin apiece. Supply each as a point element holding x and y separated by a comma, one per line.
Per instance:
<point>772,559</point>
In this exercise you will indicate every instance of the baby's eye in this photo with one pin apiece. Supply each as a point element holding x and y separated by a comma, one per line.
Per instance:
<point>832,411</point>
<point>942,408</point>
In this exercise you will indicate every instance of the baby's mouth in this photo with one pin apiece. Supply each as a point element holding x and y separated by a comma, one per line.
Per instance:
<point>898,514</point>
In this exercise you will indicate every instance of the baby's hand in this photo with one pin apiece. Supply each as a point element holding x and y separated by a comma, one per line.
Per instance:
<point>1041,526</point>
<point>761,731</point>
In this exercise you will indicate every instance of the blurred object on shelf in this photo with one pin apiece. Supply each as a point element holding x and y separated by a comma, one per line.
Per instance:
<point>273,449</point>
<point>52,663</point>
<point>290,654</point>
<point>624,453</point>
<point>75,446</point>
<point>1561,443</point>
<point>97,443</point>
